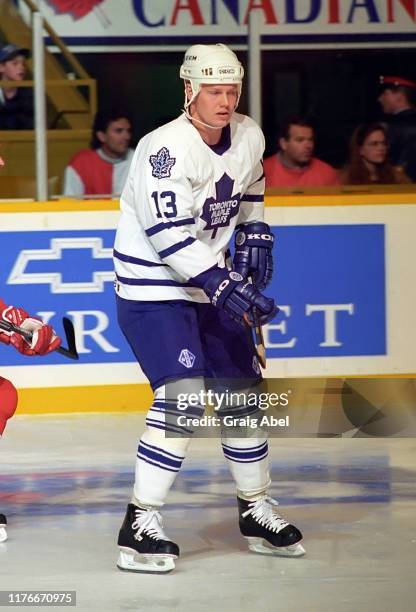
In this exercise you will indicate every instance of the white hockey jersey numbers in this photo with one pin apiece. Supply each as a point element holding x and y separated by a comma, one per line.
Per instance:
<point>218,211</point>
<point>181,204</point>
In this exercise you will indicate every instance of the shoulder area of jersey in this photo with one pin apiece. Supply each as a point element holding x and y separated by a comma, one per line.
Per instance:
<point>245,128</point>
<point>178,138</point>
<point>180,125</point>
<point>177,133</point>
<point>245,121</point>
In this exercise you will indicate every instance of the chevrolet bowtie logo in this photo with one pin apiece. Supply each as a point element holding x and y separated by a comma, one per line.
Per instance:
<point>19,276</point>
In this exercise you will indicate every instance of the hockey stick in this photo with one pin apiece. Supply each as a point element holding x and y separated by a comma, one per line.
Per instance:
<point>258,335</point>
<point>70,352</point>
<point>259,340</point>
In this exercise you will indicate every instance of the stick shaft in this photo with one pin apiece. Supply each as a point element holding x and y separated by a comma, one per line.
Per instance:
<point>259,341</point>
<point>70,352</point>
<point>258,336</point>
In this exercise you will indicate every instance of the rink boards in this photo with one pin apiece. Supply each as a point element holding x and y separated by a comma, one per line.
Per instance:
<point>344,281</point>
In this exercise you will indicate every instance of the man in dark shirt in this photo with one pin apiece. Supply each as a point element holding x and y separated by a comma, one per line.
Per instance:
<point>16,103</point>
<point>396,99</point>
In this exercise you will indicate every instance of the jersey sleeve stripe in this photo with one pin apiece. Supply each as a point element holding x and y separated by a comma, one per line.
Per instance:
<point>176,247</point>
<point>151,282</point>
<point>248,197</point>
<point>136,260</point>
<point>155,229</point>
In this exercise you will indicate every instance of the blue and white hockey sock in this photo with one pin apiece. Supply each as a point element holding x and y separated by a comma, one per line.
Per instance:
<point>159,459</point>
<point>249,464</point>
<point>161,450</point>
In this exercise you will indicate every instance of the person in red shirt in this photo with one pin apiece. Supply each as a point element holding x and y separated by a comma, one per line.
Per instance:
<point>102,169</point>
<point>44,341</point>
<point>294,165</point>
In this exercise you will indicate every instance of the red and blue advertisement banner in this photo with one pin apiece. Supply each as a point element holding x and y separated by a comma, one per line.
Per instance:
<point>89,25</point>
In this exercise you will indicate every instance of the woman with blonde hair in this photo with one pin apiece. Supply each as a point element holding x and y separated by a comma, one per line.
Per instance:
<point>368,160</point>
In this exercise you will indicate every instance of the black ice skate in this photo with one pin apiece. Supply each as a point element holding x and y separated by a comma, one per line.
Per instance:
<point>143,544</point>
<point>267,532</point>
<point>3,532</point>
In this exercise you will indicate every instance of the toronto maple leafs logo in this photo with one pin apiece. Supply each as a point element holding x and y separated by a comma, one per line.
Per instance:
<point>218,211</point>
<point>162,163</point>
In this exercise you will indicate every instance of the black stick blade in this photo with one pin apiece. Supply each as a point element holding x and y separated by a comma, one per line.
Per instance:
<point>71,350</point>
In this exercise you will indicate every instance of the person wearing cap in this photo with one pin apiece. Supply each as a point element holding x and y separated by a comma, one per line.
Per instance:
<point>16,103</point>
<point>396,97</point>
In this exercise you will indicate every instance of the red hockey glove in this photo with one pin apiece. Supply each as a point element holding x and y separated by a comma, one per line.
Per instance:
<point>44,340</point>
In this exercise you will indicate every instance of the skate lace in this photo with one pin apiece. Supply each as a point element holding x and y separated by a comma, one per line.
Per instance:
<point>150,523</point>
<point>264,513</point>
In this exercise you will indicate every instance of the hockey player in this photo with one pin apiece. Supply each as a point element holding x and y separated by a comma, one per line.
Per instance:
<point>182,309</point>
<point>43,341</point>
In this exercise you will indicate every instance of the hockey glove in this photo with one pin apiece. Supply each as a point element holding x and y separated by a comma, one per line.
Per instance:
<point>238,297</point>
<point>44,339</point>
<point>254,253</point>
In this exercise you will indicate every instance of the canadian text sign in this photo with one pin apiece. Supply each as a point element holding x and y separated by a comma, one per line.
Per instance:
<point>167,23</point>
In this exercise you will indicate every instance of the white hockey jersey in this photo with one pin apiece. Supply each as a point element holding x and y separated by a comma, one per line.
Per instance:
<point>180,206</point>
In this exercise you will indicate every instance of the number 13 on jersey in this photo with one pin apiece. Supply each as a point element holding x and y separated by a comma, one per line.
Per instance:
<point>168,201</point>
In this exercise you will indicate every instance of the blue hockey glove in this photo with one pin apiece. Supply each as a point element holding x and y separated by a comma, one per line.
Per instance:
<point>237,296</point>
<point>254,253</point>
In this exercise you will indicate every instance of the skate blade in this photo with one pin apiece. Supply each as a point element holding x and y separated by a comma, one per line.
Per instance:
<point>262,547</point>
<point>3,534</point>
<point>131,561</point>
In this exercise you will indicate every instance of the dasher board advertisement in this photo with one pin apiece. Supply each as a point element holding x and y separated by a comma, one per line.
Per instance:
<point>102,25</point>
<point>347,306</point>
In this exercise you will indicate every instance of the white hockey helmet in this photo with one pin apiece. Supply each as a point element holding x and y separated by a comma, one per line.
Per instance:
<point>210,64</point>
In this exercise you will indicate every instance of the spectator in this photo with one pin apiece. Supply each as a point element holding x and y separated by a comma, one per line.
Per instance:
<point>16,103</point>
<point>368,161</point>
<point>396,99</point>
<point>294,165</point>
<point>103,168</point>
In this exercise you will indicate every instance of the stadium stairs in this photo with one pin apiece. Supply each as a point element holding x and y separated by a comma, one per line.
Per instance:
<point>71,105</point>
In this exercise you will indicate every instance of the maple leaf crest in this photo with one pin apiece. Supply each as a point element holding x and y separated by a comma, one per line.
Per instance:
<point>217,212</point>
<point>162,163</point>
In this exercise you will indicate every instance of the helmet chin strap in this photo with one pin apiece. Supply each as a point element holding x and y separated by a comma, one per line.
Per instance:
<point>189,116</point>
